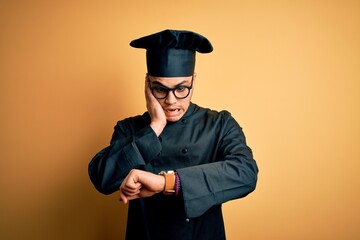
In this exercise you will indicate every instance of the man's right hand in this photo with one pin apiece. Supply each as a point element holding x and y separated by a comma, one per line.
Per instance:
<point>140,184</point>
<point>156,112</point>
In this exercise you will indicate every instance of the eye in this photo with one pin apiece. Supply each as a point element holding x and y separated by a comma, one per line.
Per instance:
<point>160,89</point>
<point>180,89</point>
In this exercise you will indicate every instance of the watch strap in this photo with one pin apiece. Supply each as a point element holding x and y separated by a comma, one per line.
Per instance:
<point>169,182</point>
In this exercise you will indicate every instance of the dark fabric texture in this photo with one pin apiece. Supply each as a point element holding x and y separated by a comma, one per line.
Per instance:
<point>208,150</point>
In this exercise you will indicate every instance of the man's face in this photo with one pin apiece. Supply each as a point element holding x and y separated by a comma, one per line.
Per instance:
<point>173,106</point>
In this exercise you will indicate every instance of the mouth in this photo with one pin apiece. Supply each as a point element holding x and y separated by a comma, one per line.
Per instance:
<point>172,112</point>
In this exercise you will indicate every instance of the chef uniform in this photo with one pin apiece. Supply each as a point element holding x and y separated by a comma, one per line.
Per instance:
<point>206,148</point>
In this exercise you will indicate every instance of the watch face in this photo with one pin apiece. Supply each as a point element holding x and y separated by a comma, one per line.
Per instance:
<point>167,172</point>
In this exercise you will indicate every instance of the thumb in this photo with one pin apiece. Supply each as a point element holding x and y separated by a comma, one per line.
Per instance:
<point>123,198</point>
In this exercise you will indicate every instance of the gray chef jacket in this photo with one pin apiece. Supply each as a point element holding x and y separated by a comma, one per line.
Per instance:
<point>209,152</point>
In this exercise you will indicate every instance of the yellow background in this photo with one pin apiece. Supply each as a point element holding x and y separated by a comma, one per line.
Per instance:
<point>289,71</point>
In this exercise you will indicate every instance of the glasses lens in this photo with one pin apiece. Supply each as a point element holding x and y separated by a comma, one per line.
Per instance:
<point>181,92</point>
<point>159,92</point>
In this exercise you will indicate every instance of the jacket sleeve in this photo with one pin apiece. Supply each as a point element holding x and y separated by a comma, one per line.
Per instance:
<point>127,150</point>
<point>233,174</point>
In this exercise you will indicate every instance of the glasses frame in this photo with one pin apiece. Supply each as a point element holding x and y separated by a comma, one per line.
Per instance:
<point>172,89</point>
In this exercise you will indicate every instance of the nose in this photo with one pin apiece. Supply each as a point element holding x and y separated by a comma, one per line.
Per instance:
<point>170,99</point>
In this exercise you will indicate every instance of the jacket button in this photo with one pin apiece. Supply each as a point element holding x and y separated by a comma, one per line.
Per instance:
<point>184,151</point>
<point>187,220</point>
<point>184,120</point>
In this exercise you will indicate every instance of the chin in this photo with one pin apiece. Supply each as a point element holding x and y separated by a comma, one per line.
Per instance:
<point>173,119</point>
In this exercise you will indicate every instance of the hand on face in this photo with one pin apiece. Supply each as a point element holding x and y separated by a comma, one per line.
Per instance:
<point>140,184</point>
<point>158,118</point>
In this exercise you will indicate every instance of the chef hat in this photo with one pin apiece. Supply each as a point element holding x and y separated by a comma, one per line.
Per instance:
<point>171,53</point>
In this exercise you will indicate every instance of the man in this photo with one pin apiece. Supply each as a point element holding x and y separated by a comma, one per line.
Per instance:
<point>178,162</point>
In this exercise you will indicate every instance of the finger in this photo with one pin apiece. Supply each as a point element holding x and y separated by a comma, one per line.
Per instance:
<point>133,190</point>
<point>130,193</point>
<point>147,85</point>
<point>123,198</point>
<point>130,183</point>
<point>129,198</point>
<point>131,187</point>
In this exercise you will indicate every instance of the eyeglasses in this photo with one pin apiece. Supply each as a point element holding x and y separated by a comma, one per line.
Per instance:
<point>180,92</point>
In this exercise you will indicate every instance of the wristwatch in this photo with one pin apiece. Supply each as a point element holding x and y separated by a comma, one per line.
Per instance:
<point>169,182</point>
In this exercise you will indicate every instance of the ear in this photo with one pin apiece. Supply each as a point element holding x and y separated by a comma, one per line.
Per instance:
<point>194,78</point>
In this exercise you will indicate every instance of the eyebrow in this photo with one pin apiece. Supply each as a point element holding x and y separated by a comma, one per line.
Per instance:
<point>177,85</point>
